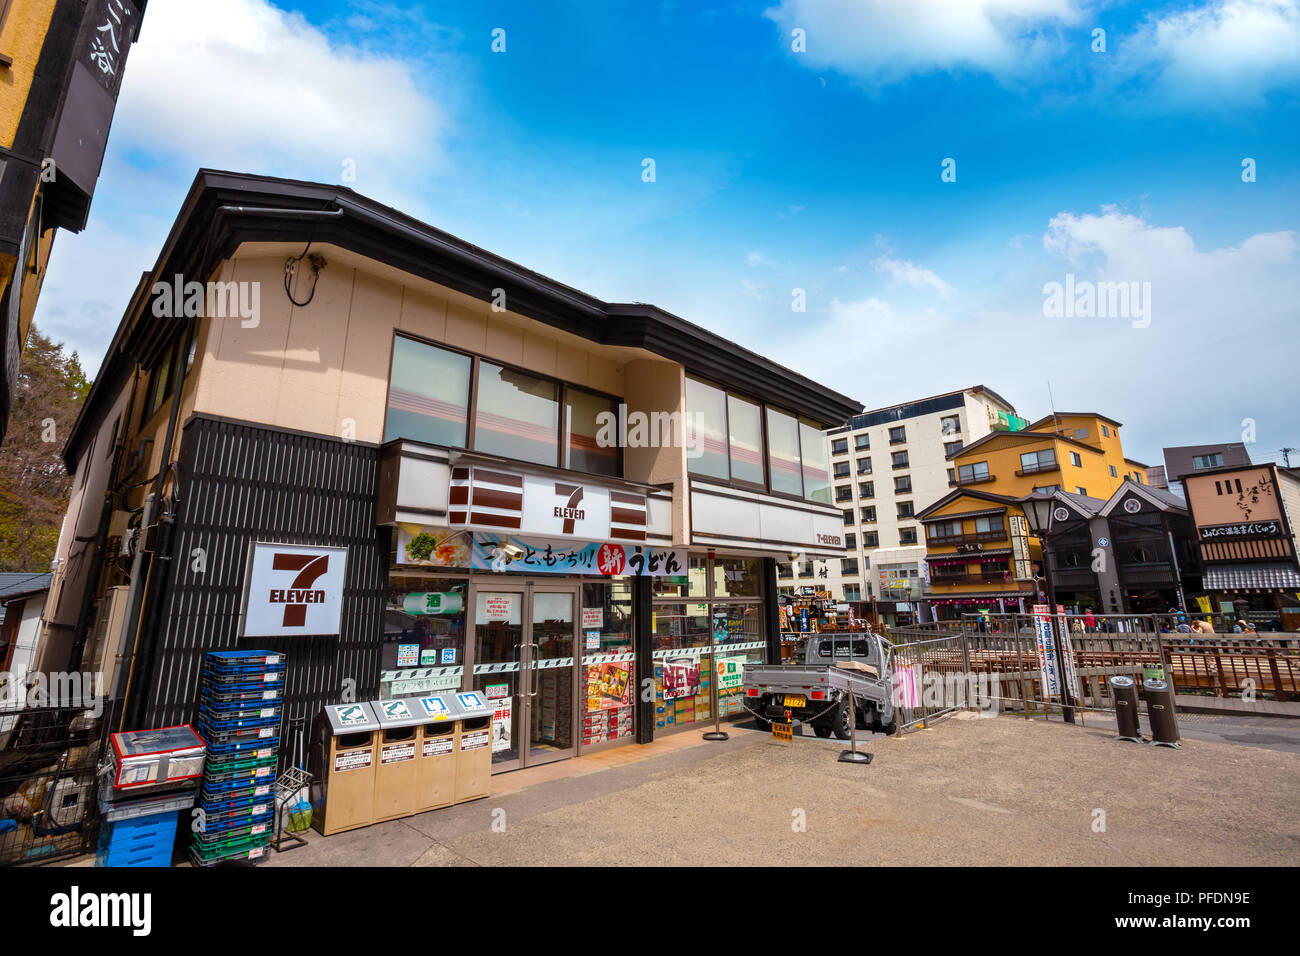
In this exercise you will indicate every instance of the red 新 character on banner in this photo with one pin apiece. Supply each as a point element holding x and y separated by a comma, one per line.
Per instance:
<point>610,559</point>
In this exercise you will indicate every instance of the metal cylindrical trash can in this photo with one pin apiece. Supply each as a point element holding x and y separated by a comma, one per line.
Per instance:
<point>1160,712</point>
<point>1124,692</point>
<point>344,741</point>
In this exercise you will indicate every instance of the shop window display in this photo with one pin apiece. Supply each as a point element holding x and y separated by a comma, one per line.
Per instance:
<point>424,633</point>
<point>608,671</point>
<point>700,643</point>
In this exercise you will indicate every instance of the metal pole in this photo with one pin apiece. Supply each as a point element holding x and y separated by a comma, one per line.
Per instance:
<point>852,755</point>
<point>717,733</point>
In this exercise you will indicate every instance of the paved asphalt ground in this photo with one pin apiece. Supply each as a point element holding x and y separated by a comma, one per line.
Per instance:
<point>999,791</point>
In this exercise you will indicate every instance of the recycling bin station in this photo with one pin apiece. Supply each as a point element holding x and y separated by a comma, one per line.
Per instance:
<point>344,744</point>
<point>396,779</point>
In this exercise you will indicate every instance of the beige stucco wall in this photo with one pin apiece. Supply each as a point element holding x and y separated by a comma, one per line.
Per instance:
<point>324,367</point>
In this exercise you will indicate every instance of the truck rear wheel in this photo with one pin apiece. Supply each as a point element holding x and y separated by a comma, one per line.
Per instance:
<point>821,730</point>
<point>841,721</point>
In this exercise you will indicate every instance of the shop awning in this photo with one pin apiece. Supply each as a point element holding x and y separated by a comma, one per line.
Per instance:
<point>1241,577</point>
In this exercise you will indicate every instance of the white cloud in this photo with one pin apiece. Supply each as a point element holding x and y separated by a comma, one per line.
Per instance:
<point>756,259</point>
<point>884,41</point>
<point>1230,52</point>
<point>902,270</point>
<point>241,84</point>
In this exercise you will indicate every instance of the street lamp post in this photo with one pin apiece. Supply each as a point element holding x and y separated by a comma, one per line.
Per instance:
<point>1038,508</point>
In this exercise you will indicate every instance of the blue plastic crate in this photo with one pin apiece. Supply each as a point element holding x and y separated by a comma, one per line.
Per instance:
<point>214,667</point>
<point>227,802</point>
<point>250,718</point>
<point>234,820</point>
<point>230,750</point>
<point>230,658</point>
<point>225,709</point>
<point>272,692</point>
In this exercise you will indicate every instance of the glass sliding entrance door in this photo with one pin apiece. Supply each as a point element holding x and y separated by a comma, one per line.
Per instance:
<point>498,648</point>
<point>525,637</point>
<point>550,663</point>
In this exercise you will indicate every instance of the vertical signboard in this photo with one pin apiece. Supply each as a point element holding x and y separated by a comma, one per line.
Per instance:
<point>1067,653</point>
<point>1046,650</point>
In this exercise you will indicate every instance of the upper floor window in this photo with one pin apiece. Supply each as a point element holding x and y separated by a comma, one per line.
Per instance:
<point>900,459</point>
<point>950,425</point>
<point>517,415</point>
<point>870,539</point>
<point>1047,489</point>
<point>1075,460</point>
<point>848,566</point>
<point>907,536</point>
<point>951,448</point>
<point>843,493</point>
<point>902,483</point>
<point>1032,461</point>
<point>864,466</point>
<point>783,452</point>
<point>897,435</point>
<point>905,509</point>
<point>988,524</point>
<point>745,433</point>
<point>848,516</point>
<point>840,446</point>
<point>869,513</point>
<point>428,394</point>
<point>943,529</point>
<point>977,471</point>
<point>1105,430</point>
<point>866,489</point>
<point>841,469</point>
<point>1113,472</point>
<point>1137,476</point>
<point>706,409</point>
<point>1207,461</point>
<point>861,442</point>
<point>850,541</point>
<point>584,450</point>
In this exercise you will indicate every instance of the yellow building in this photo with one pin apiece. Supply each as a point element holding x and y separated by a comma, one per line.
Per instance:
<point>979,554</point>
<point>61,65</point>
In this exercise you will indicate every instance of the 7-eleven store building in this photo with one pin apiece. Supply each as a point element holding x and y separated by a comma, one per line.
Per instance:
<point>418,424</point>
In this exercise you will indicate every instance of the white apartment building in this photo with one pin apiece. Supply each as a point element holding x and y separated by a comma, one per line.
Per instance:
<point>888,465</point>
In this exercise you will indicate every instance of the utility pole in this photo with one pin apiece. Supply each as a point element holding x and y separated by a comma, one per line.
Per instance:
<point>1286,455</point>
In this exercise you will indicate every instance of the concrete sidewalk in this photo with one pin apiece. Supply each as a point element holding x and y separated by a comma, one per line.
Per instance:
<point>1000,791</point>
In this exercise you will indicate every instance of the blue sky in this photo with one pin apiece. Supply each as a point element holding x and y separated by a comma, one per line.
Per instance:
<point>779,169</point>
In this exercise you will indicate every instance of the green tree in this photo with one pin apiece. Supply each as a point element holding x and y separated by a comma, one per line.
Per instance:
<point>34,485</point>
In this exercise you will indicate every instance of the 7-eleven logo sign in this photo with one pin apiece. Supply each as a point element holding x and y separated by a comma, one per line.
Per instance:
<point>295,589</point>
<point>300,593</point>
<point>569,511</point>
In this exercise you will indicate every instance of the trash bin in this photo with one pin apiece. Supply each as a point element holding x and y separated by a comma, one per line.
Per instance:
<point>1124,692</point>
<point>1160,712</point>
<point>395,777</point>
<point>473,746</point>
<point>344,742</point>
<point>435,763</point>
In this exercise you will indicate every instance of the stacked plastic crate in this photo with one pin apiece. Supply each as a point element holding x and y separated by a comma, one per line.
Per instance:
<point>241,701</point>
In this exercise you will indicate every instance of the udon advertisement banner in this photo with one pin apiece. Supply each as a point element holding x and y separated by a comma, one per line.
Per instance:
<point>446,548</point>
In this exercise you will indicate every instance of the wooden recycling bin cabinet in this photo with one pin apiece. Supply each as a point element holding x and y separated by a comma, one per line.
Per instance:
<point>396,783</point>
<point>343,757</point>
<point>473,713</point>
<point>435,761</point>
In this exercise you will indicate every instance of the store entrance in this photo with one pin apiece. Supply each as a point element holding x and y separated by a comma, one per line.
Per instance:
<point>525,636</point>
